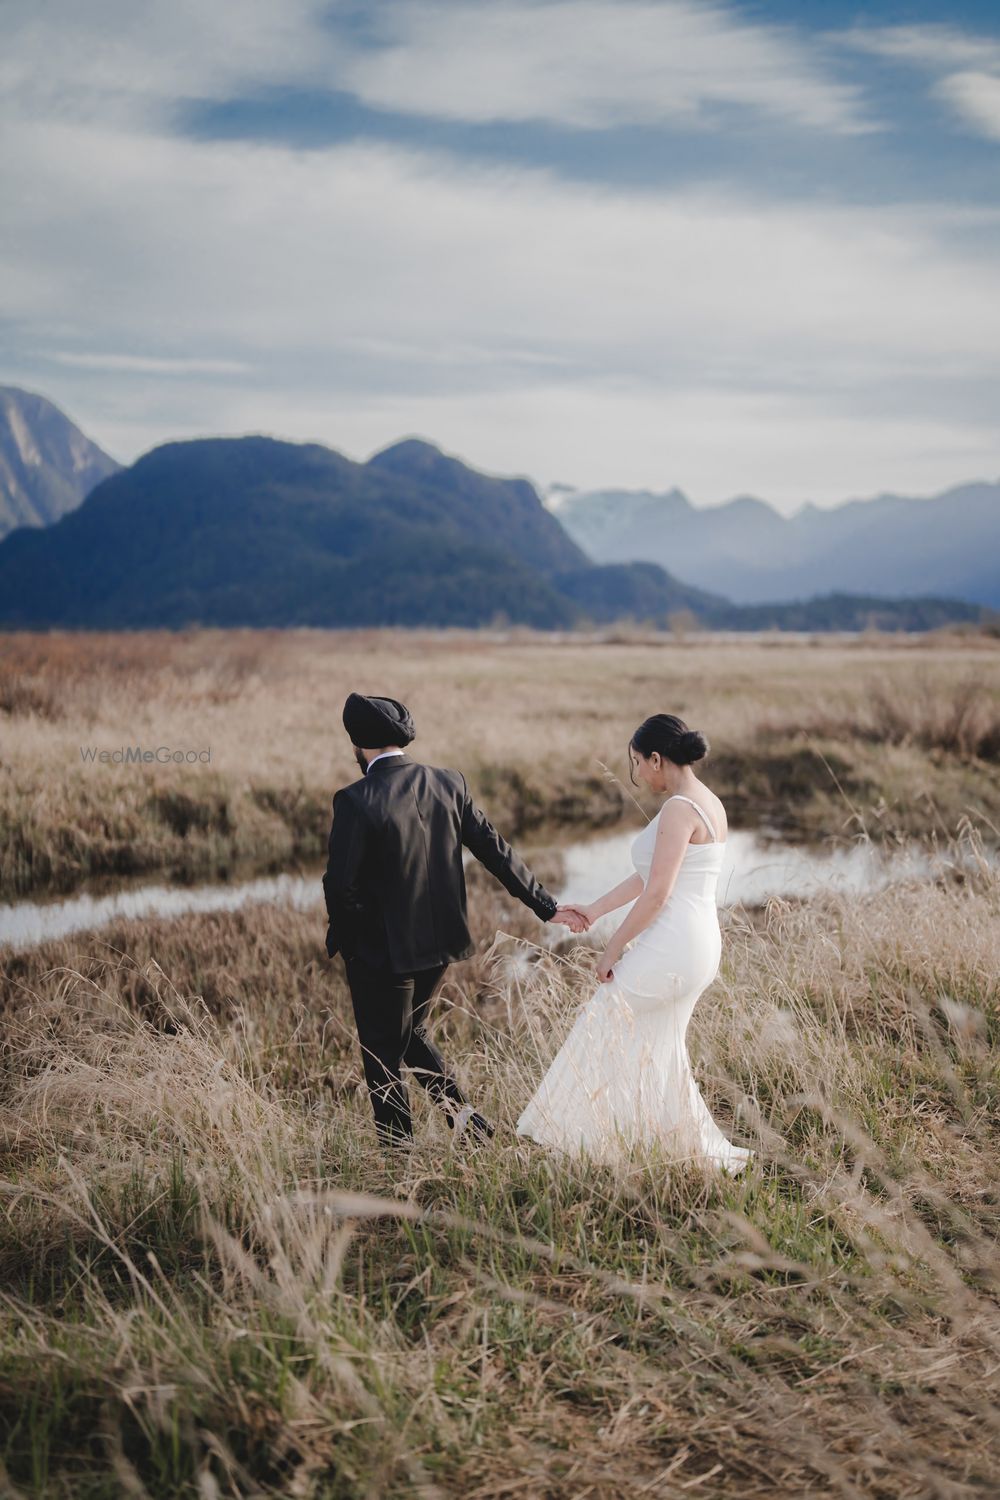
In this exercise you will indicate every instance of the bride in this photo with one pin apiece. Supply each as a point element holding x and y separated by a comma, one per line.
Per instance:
<point>623,1076</point>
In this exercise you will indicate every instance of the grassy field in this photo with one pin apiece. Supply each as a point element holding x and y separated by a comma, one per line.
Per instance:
<point>214,1285</point>
<point>885,736</point>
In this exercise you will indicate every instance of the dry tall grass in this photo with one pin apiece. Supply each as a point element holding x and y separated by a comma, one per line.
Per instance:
<point>216,1287</point>
<point>814,738</point>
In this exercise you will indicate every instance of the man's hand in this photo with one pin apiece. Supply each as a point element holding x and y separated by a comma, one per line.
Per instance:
<point>573,917</point>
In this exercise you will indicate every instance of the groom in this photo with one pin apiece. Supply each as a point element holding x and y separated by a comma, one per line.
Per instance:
<point>395,897</point>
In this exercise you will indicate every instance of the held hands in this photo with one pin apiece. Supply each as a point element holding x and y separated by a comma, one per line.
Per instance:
<point>576,918</point>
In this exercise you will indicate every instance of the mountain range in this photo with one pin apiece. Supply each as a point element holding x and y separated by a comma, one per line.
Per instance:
<point>47,465</point>
<point>891,546</point>
<point>254,531</point>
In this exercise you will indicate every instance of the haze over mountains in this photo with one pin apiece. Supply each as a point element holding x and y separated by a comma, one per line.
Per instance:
<point>890,546</point>
<point>254,531</point>
<point>47,465</point>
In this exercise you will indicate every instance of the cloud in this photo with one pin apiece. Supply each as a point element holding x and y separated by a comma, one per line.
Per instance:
<point>589,63</point>
<point>557,328</point>
<point>594,64</point>
<point>578,63</point>
<point>114,60</point>
<point>935,46</point>
<point>717,336</point>
<point>149,364</point>
<point>257,253</point>
<point>976,97</point>
<point>969,66</point>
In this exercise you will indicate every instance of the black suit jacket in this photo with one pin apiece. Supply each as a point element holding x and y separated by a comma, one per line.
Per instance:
<point>394,882</point>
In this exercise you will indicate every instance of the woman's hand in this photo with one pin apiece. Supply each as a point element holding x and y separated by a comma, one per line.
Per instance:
<point>605,970</point>
<point>573,917</point>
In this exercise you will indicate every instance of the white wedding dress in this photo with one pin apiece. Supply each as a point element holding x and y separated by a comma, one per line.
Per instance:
<point>623,1076</point>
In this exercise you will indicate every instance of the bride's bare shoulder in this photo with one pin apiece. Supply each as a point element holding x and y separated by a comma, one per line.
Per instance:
<point>717,805</point>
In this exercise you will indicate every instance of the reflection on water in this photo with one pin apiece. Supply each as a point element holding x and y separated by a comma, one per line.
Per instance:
<point>28,922</point>
<point>753,870</point>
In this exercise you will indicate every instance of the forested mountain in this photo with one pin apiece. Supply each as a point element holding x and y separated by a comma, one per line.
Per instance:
<point>251,531</point>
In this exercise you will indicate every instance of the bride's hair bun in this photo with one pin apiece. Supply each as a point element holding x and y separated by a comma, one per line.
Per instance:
<point>670,736</point>
<point>692,746</point>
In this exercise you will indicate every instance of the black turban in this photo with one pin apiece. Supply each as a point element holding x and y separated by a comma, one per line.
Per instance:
<point>377,721</point>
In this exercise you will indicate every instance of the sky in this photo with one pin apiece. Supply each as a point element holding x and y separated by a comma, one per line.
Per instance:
<point>741,248</point>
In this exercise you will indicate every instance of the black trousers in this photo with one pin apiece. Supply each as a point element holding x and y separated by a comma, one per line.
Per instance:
<point>390,1012</point>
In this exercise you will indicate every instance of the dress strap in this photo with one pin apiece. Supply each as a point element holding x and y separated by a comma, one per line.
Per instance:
<point>680,797</point>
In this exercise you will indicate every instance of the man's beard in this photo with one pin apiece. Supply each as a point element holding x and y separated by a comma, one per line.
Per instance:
<point>359,756</point>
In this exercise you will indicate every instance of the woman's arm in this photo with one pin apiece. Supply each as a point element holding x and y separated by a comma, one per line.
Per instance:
<point>611,900</point>
<point>672,838</point>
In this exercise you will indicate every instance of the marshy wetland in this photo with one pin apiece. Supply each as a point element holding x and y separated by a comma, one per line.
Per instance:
<point>214,1284</point>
